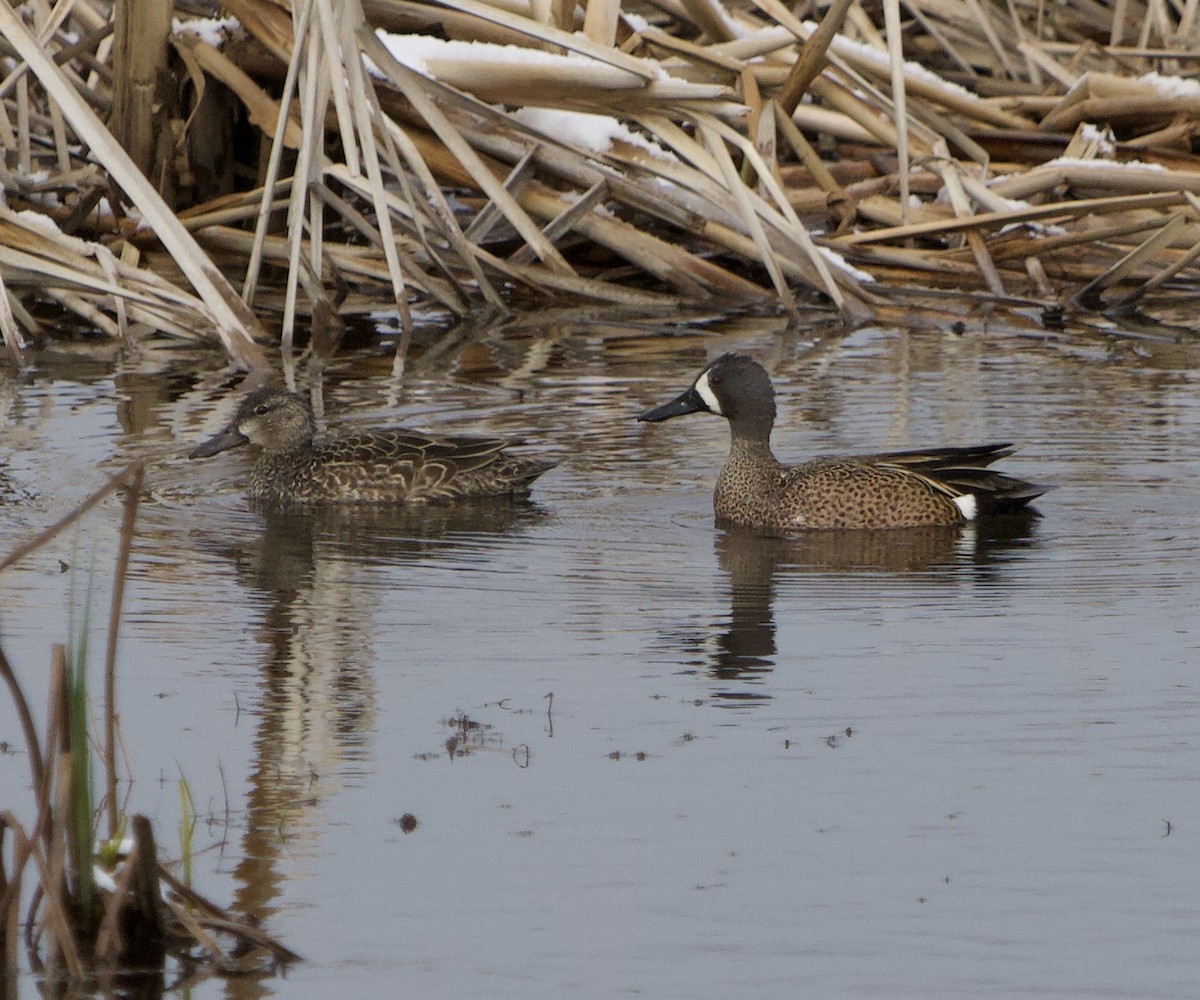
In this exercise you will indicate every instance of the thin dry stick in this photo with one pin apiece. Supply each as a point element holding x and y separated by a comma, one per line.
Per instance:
<point>1166,273</point>
<point>396,145</point>
<point>949,171</point>
<point>414,88</point>
<point>10,897</point>
<point>985,220</point>
<point>196,929</point>
<point>300,32</point>
<point>1046,245</point>
<point>312,115</point>
<point>563,224</point>
<point>600,21</point>
<point>365,104</point>
<point>819,275</point>
<point>808,156</point>
<point>891,14</point>
<point>339,38</point>
<point>43,826</point>
<point>209,914</point>
<point>109,942</point>
<point>488,217</point>
<point>133,494</point>
<point>10,333</point>
<point>989,31</point>
<point>811,60</point>
<point>53,864</point>
<point>1161,278</point>
<point>115,482</point>
<point>25,716</point>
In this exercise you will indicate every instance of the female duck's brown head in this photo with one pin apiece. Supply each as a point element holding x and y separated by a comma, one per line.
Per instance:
<point>275,420</point>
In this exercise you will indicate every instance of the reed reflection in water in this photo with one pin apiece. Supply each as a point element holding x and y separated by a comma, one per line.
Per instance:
<point>308,575</point>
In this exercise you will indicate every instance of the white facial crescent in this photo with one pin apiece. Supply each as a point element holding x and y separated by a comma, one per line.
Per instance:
<point>706,393</point>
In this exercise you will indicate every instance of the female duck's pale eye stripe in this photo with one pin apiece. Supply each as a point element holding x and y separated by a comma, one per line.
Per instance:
<point>706,393</point>
<point>968,505</point>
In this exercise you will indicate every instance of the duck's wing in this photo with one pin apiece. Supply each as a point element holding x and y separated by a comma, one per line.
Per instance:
<point>930,460</point>
<point>416,465</point>
<point>957,472</point>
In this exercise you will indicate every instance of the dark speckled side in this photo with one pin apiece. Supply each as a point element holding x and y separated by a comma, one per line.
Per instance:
<point>294,468</point>
<point>938,487</point>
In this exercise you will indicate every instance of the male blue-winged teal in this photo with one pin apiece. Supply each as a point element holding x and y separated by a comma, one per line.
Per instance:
<point>942,486</point>
<point>396,466</point>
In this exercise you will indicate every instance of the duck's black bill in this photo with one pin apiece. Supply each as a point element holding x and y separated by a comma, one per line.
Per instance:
<point>228,438</point>
<point>689,402</point>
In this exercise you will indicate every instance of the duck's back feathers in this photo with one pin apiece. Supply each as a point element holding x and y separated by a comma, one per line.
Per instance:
<point>393,467</point>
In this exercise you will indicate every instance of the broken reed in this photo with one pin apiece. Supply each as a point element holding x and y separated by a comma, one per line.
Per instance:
<point>75,929</point>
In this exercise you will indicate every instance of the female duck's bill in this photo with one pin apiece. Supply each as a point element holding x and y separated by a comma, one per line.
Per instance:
<point>230,437</point>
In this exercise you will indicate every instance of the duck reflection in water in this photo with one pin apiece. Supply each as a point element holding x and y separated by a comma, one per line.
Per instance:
<point>298,544</point>
<point>744,648</point>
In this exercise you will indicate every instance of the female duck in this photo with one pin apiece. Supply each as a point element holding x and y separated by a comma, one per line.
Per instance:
<point>942,486</point>
<point>294,468</point>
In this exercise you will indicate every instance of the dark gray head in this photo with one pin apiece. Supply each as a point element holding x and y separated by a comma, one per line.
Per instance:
<point>270,418</point>
<point>735,387</point>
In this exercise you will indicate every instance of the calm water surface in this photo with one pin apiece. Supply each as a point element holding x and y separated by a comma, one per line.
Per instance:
<point>647,756</point>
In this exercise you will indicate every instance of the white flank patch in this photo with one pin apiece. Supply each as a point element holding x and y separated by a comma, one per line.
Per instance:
<point>709,397</point>
<point>968,505</point>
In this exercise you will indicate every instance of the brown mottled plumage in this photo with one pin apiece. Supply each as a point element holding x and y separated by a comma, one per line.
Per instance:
<point>942,486</point>
<point>397,466</point>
